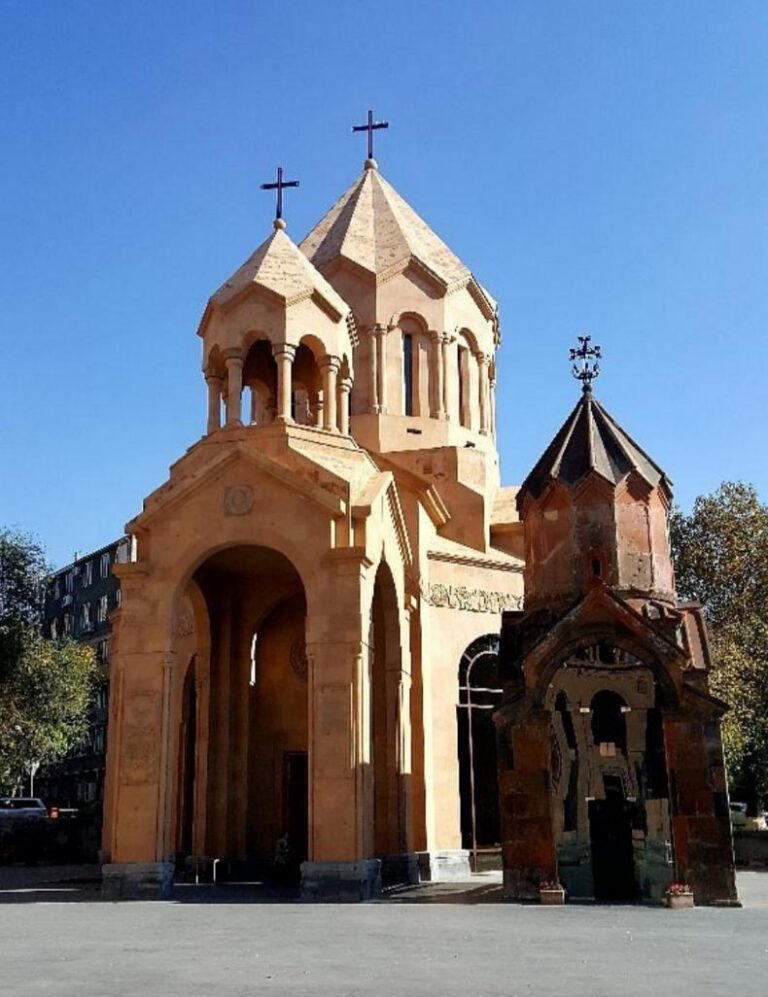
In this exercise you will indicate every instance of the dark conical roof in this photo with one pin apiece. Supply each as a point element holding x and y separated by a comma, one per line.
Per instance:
<point>591,440</point>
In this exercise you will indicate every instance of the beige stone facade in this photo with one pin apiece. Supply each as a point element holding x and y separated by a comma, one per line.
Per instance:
<point>305,584</point>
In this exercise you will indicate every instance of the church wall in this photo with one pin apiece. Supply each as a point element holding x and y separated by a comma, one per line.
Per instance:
<point>447,630</point>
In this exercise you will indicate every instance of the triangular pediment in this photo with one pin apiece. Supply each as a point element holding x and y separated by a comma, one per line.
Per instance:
<point>172,493</point>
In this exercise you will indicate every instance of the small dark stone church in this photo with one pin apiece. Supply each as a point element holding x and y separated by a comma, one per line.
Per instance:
<point>611,774</point>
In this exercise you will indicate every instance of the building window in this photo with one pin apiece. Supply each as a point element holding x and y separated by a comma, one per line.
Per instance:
<point>408,373</point>
<point>67,624</point>
<point>87,573</point>
<point>57,589</point>
<point>54,629</point>
<point>102,652</point>
<point>103,609</point>
<point>69,581</point>
<point>118,598</point>
<point>104,565</point>
<point>86,617</point>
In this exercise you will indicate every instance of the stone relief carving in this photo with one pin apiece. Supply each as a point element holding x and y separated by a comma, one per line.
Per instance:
<point>473,600</point>
<point>238,500</point>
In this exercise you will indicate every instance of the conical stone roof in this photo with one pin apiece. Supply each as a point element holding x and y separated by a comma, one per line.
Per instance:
<point>591,440</point>
<point>281,268</point>
<point>373,227</point>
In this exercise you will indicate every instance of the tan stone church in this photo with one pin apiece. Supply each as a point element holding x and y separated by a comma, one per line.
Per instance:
<point>305,664</point>
<point>308,583</point>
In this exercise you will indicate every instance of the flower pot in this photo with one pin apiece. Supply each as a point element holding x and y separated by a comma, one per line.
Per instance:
<point>677,901</point>
<point>552,897</point>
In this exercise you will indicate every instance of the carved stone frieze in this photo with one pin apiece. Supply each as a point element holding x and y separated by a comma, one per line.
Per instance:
<point>472,600</point>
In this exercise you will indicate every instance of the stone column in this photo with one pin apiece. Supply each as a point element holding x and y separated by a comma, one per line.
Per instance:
<point>340,865</point>
<point>373,369</point>
<point>492,403</point>
<point>345,389</point>
<point>482,366</point>
<point>436,376</point>
<point>699,814</point>
<point>329,367</point>
<point>527,845</point>
<point>234,361</point>
<point>214,401</point>
<point>380,334</point>
<point>445,341</point>
<point>283,354</point>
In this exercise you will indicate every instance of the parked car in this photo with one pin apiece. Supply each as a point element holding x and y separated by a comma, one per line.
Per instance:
<point>24,829</point>
<point>22,808</point>
<point>738,814</point>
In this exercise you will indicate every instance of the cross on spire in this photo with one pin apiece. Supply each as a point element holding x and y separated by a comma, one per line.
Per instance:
<point>279,186</point>
<point>371,126</point>
<point>584,362</point>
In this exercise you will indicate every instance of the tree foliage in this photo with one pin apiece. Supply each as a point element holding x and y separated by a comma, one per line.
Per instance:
<point>46,686</point>
<point>44,705</point>
<point>721,560</point>
<point>22,580</point>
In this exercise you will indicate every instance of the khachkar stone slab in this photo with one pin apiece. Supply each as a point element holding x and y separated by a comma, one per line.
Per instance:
<point>341,882</point>
<point>447,866</point>
<point>137,880</point>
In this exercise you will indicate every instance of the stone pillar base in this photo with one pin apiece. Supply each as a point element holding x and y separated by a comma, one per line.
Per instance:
<point>341,882</point>
<point>137,880</point>
<point>451,866</point>
<point>399,870</point>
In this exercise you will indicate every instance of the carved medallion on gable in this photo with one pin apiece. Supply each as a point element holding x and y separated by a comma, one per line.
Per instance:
<point>238,500</point>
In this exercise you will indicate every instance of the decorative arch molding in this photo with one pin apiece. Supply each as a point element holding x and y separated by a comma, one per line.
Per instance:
<point>615,636</point>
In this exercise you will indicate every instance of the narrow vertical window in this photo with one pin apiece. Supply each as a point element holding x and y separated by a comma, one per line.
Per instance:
<point>463,372</point>
<point>408,372</point>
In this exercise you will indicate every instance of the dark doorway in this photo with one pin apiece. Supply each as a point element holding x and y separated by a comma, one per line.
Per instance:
<point>613,867</point>
<point>296,806</point>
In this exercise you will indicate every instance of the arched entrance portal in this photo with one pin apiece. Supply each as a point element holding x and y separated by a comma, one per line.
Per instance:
<point>479,695</point>
<point>610,807</point>
<point>385,661</point>
<point>246,699</point>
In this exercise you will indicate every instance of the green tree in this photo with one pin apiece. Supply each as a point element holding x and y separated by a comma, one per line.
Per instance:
<point>22,587</point>
<point>46,686</point>
<point>721,560</point>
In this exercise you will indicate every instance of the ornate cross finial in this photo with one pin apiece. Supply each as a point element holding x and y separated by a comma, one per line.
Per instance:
<point>279,186</point>
<point>371,126</point>
<point>584,362</point>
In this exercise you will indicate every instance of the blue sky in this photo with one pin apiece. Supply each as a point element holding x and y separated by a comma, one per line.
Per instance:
<point>601,166</point>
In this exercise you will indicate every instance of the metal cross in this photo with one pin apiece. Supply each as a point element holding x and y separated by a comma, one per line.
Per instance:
<point>584,362</point>
<point>370,127</point>
<point>279,186</point>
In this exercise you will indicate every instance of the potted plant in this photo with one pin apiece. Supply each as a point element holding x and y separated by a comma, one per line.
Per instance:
<point>679,895</point>
<point>551,892</point>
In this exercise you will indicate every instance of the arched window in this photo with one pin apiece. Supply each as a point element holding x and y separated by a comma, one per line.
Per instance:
<point>408,373</point>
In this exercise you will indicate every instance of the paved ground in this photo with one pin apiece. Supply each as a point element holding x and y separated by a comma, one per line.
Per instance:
<point>56,938</point>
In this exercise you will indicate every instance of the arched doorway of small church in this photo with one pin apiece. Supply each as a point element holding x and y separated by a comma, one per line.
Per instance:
<point>479,695</point>
<point>248,695</point>
<point>385,660</point>
<point>610,806</point>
